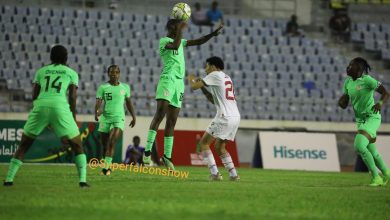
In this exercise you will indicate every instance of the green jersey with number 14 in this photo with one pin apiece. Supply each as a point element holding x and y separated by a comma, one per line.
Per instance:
<point>54,81</point>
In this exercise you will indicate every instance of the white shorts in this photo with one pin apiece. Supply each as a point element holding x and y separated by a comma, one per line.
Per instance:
<point>224,128</point>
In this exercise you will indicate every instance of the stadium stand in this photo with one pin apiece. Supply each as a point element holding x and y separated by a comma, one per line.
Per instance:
<point>276,77</point>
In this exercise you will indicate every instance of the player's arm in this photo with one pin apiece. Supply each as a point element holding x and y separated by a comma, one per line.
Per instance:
<point>343,101</point>
<point>205,38</point>
<point>208,95</point>
<point>177,41</point>
<point>197,83</point>
<point>35,91</point>
<point>384,96</point>
<point>98,104</point>
<point>130,107</point>
<point>72,99</point>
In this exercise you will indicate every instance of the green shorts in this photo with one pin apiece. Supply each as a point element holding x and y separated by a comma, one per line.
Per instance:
<point>105,127</point>
<point>59,119</point>
<point>369,124</point>
<point>171,89</point>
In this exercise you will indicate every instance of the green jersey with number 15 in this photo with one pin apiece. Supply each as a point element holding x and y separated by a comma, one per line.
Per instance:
<point>54,81</point>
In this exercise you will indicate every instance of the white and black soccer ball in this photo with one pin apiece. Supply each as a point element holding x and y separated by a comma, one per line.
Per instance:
<point>181,11</point>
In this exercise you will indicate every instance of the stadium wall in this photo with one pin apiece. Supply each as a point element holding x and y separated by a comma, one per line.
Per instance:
<point>246,136</point>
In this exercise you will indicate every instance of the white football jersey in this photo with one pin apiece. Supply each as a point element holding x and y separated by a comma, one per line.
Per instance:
<point>221,87</point>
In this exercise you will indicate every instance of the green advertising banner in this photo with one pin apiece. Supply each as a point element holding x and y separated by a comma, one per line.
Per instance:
<point>48,148</point>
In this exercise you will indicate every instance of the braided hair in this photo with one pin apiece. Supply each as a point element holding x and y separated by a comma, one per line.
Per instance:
<point>363,65</point>
<point>112,66</point>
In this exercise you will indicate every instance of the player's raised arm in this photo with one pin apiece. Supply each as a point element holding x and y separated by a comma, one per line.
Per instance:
<point>384,96</point>
<point>130,107</point>
<point>72,99</point>
<point>205,38</point>
<point>175,31</point>
<point>343,101</point>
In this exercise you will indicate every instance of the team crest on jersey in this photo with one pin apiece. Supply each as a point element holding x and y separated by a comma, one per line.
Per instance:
<point>359,87</point>
<point>122,92</point>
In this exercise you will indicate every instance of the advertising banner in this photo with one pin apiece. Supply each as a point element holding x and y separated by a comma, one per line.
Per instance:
<point>47,147</point>
<point>299,151</point>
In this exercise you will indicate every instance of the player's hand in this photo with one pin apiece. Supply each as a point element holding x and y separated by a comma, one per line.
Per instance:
<point>377,107</point>
<point>132,123</point>
<point>97,114</point>
<point>218,30</point>
<point>191,77</point>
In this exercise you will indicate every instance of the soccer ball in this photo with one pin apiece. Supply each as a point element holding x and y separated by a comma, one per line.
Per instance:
<point>181,11</point>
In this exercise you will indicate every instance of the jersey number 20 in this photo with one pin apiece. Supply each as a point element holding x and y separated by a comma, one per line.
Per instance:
<point>54,84</point>
<point>229,92</point>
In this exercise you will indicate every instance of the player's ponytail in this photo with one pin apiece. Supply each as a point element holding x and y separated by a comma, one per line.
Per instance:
<point>363,64</point>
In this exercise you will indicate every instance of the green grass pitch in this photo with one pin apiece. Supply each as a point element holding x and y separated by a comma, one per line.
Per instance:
<point>52,192</point>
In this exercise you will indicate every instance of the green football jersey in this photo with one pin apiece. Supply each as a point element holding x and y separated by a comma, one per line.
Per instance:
<point>114,98</point>
<point>173,60</point>
<point>361,93</point>
<point>54,81</point>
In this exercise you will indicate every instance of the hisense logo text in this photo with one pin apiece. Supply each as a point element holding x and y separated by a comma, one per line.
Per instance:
<point>285,153</point>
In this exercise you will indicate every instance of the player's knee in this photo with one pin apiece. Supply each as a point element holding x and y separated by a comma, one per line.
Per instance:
<point>171,123</point>
<point>220,150</point>
<point>361,143</point>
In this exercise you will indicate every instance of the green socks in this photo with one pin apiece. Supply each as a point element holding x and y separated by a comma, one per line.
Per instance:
<point>361,143</point>
<point>378,159</point>
<point>150,140</point>
<point>168,144</point>
<point>81,164</point>
<point>13,168</point>
<point>107,162</point>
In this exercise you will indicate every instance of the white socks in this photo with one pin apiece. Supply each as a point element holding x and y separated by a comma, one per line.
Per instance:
<point>228,163</point>
<point>209,159</point>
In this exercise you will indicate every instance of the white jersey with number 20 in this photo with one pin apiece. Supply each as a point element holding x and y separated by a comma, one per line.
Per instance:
<point>227,120</point>
<point>221,87</point>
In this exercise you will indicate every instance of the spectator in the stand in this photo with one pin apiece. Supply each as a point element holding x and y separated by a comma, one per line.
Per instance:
<point>113,4</point>
<point>214,14</point>
<point>292,27</point>
<point>134,152</point>
<point>339,25</point>
<point>199,16</point>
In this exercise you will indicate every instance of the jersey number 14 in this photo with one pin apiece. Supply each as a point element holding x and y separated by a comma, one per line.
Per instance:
<point>54,84</point>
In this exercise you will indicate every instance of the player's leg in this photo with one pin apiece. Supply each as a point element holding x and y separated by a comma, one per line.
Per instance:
<point>208,157</point>
<point>162,107</point>
<point>17,159</point>
<point>35,124</point>
<point>104,140</point>
<point>379,161</point>
<point>65,126</point>
<point>172,115</point>
<point>80,159</point>
<point>220,147</point>
<point>362,139</point>
<point>371,126</point>
<point>115,133</point>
